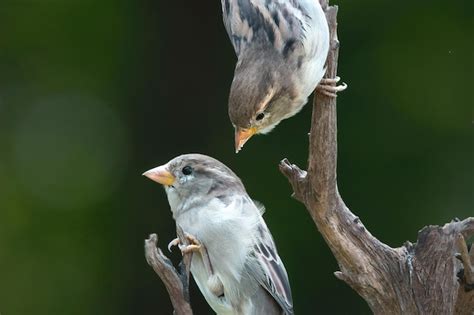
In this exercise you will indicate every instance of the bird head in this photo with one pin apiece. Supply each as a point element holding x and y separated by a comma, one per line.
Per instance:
<point>194,178</point>
<point>259,98</point>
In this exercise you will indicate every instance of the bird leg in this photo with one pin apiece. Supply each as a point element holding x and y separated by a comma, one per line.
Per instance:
<point>329,87</point>
<point>194,246</point>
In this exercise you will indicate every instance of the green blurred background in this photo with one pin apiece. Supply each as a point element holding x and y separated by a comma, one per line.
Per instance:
<point>93,93</point>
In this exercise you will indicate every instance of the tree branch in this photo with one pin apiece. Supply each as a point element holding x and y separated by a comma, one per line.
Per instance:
<point>463,255</point>
<point>176,282</point>
<point>413,279</point>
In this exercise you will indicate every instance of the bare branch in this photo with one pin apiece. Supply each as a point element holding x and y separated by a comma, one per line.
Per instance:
<point>323,154</point>
<point>416,278</point>
<point>176,283</point>
<point>297,178</point>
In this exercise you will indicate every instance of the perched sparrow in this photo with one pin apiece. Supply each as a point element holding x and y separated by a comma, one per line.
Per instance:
<point>235,262</point>
<point>282,47</point>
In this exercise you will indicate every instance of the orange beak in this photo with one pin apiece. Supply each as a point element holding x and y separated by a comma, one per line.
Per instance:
<point>242,136</point>
<point>160,175</point>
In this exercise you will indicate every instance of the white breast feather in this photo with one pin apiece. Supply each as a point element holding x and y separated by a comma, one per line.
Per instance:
<point>227,232</point>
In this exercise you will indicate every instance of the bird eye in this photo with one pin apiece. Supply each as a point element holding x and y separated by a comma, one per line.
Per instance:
<point>187,170</point>
<point>260,116</point>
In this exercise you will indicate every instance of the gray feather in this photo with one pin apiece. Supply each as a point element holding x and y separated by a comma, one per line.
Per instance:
<point>264,23</point>
<point>267,268</point>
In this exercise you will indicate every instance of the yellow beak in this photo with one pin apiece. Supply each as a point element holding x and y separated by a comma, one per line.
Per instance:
<point>242,136</point>
<point>160,175</point>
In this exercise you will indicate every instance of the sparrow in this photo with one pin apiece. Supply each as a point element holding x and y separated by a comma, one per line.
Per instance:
<point>235,262</point>
<point>281,48</point>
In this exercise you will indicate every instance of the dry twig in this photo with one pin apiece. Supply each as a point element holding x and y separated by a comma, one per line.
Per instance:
<point>176,282</point>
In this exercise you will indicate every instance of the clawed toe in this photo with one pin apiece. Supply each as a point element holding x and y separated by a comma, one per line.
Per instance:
<point>174,242</point>
<point>330,81</point>
<point>330,88</point>
<point>192,239</point>
<point>194,245</point>
<point>186,249</point>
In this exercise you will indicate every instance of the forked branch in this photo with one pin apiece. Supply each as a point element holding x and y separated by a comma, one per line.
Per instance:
<point>418,278</point>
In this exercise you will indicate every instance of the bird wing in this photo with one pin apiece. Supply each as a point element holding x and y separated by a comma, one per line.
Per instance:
<point>281,23</point>
<point>268,269</point>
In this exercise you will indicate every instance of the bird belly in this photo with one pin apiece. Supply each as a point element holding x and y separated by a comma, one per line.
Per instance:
<point>218,303</point>
<point>316,48</point>
<point>227,241</point>
<point>310,76</point>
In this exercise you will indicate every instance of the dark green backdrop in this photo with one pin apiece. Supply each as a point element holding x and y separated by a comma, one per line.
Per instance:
<point>93,93</point>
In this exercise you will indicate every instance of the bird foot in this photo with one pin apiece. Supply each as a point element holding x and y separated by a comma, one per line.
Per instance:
<point>186,249</point>
<point>330,88</point>
<point>194,245</point>
<point>174,242</point>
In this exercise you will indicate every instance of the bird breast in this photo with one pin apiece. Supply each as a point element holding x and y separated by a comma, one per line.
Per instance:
<point>227,233</point>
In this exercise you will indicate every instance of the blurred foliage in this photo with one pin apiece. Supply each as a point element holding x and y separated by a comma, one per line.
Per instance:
<point>92,93</point>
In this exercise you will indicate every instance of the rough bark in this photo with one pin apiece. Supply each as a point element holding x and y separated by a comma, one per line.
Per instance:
<point>175,281</point>
<point>420,278</point>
